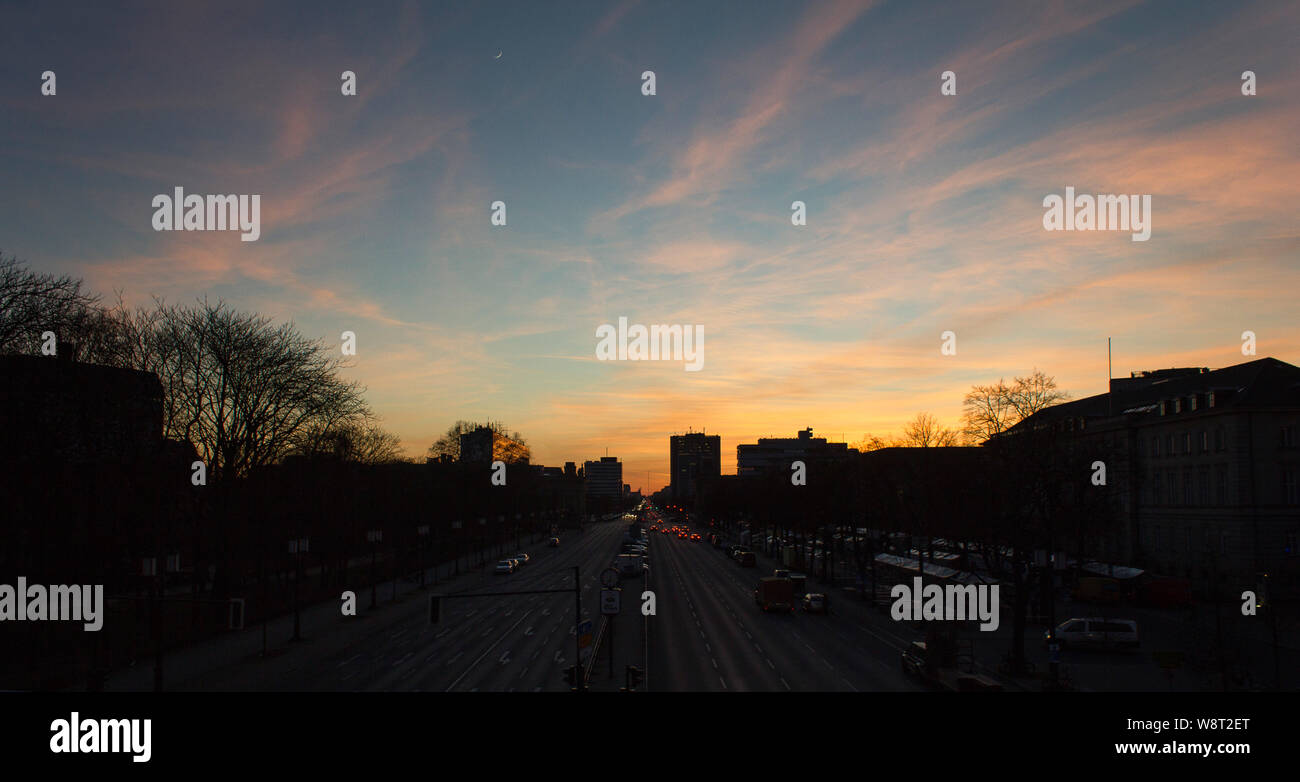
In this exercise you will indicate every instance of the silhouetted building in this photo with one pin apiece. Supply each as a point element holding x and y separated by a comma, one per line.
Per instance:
<point>476,447</point>
<point>1202,466</point>
<point>693,457</point>
<point>604,478</point>
<point>777,453</point>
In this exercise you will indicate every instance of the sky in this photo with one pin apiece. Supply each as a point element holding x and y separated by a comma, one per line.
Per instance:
<point>924,211</point>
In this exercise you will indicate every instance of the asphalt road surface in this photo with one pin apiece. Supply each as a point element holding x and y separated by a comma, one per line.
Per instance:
<point>709,635</point>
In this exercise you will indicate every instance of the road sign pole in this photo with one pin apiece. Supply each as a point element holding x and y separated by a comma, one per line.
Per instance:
<point>577,620</point>
<point>611,647</point>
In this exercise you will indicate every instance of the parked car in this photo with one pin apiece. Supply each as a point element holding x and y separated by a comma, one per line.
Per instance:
<point>523,559</point>
<point>555,543</point>
<point>814,603</point>
<point>1094,632</point>
<point>505,567</point>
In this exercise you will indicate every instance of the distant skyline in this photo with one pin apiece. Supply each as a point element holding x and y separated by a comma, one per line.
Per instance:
<point>924,211</point>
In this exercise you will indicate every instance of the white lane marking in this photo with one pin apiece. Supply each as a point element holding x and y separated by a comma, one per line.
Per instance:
<point>769,663</point>
<point>787,684</point>
<point>345,662</point>
<point>724,682</point>
<point>715,663</point>
<point>404,658</point>
<point>488,651</point>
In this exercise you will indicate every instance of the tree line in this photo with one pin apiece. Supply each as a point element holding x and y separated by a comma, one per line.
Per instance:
<point>987,412</point>
<point>244,390</point>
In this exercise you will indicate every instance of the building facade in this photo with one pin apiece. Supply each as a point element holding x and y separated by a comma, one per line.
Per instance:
<point>693,457</point>
<point>1202,467</point>
<point>777,453</point>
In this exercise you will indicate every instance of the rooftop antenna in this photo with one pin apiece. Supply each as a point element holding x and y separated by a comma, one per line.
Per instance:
<point>1110,378</point>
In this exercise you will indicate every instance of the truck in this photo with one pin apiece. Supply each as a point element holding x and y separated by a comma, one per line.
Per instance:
<point>947,662</point>
<point>774,594</point>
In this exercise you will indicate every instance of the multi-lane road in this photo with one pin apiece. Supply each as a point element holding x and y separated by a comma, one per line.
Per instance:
<point>516,643</point>
<point>709,635</point>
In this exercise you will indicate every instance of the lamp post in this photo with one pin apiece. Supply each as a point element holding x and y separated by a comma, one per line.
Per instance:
<point>297,549</point>
<point>482,522</point>
<point>423,532</point>
<point>455,546</point>
<point>374,537</point>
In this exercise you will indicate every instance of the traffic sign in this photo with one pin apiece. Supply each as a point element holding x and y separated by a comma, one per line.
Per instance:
<point>610,601</point>
<point>609,577</point>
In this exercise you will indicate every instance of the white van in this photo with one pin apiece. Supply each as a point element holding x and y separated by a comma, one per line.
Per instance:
<point>1094,632</point>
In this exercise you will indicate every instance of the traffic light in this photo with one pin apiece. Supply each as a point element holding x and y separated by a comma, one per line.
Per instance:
<point>435,609</point>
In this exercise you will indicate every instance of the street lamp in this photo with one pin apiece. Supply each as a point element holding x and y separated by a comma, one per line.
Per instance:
<point>297,549</point>
<point>423,532</point>
<point>374,537</point>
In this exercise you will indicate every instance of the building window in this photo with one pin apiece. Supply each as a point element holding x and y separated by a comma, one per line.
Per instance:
<point>1290,548</point>
<point>1187,442</point>
<point>1203,485</point>
<point>1289,493</point>
<point>1155,445</point>
<point>1178,405</point>
<point>1187,486</point>
<point>1169,445</point>
<point>1158,488</point>
<point>1286,436</point>
<point>1192,399</point>
<point>1172,494</point>
<point>1221,484</point>
<point>1218,438</point>
<point>1205,441</point>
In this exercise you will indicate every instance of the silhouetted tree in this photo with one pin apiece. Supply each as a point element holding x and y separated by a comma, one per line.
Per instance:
<point>506,446</point>
<point>925,431</point>
<point>32,303</point>
<point>993,409</point>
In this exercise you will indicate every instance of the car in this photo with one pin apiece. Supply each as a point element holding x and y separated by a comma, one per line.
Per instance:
<point>523,559</point>
<point>815,603</point>
<point>1094,632</point>
<point>781,573</point>
<point>555,543</point>
<point>913,659</point>
<point>505,567</point>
